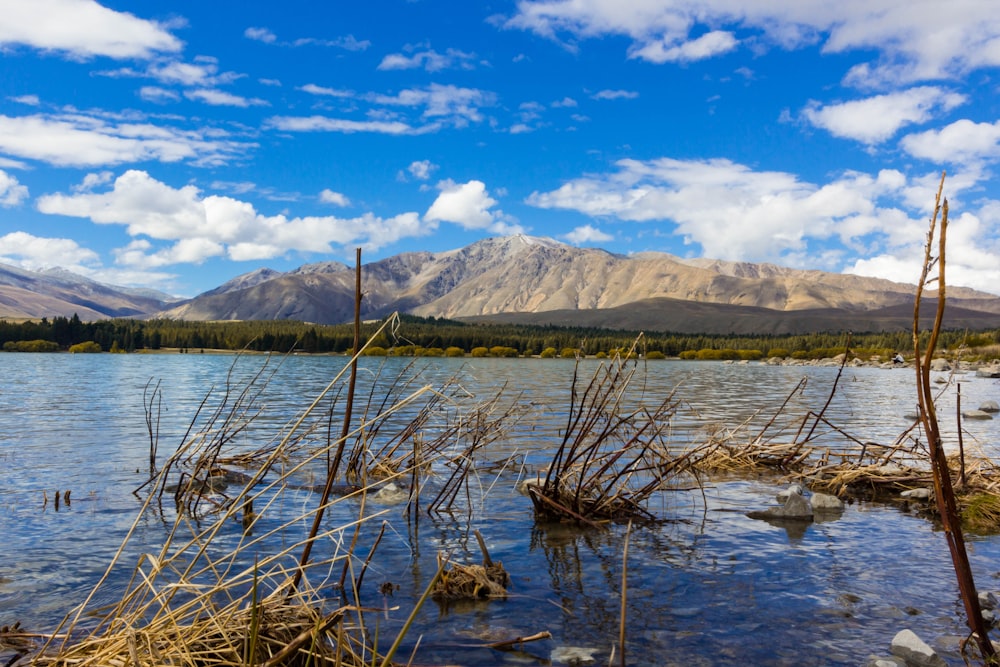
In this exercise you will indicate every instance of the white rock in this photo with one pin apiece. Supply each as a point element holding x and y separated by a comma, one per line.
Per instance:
<point>916,494</point>
<point>824,501</point>
<point>976,414</point>
<point>573,655</point>
<point>914,651</point>
<point>989,406</point>
<point>987,600</point>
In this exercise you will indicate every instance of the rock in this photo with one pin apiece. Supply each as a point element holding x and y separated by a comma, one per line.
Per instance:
<point>573,655</point>
<point>917,494</point>
<point>987,600</point>
<point>824,501</point>
<point>796,508</point>
<point>391,494</point>
<point>941,379</point>
<point>989,406</point>
<point>879,661</point>
<point>988,372</point>
<point>912,416</point>
<point>794,488</point>
<point>976,414</point>
<point>914,651</point>
<point>940,364</point>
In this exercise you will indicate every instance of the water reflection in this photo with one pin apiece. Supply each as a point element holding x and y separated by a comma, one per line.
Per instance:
<point>709,586</point>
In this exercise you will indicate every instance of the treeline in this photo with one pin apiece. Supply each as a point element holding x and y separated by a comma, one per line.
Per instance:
<point>416,335</point>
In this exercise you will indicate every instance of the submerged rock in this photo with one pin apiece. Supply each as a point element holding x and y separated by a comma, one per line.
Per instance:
<point>989,406</point>
<point>573,655</point>
<point>976,414</point>
<point>796,508</point>
<point>880,661</point>
<point>908,646</point>
<point>917,494</point>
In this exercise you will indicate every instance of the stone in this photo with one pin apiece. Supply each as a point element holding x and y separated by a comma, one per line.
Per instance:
<point>987,600</point>
<point>794,488</point>
<point>940,364</point>
<point>976,414</point>
<point>796,508</point>
<point>824,501</point>
<point>573,655</point>
<point>880,661</point>
<point>988,372</point>
<point>908,646</point>
<point>917,494</point>
<point>989,406</point>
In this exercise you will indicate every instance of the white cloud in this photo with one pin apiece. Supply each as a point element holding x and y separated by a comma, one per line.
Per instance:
<point>615,95</point>
<point>85,141</point>
<point>422,169</point>
<point>708,45</point>
<point>158,95</point>
<point>875,119</point>
<point>195,227</point>
<point>82,29</point>
<point>34,253</point>
<point>221,98</point>
<point>429,60</point>
<point>324,124</point>
<point>313,89</point>
<point>916,40</point>
<point>587,234</point>
<point>260,35</point>
<point>469,205</point>
<point>454,104</point>
<point>962,142</point>
<point>731,211</point>
<point>12,193</point>
<point>336,198</point>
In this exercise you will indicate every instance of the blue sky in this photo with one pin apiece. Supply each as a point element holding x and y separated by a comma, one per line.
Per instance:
<point>177,145</point>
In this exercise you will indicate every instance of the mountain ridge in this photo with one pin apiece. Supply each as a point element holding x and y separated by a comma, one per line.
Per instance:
<point>531,280</point>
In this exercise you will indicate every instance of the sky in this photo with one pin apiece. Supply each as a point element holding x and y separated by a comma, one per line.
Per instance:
<point>176,145</point>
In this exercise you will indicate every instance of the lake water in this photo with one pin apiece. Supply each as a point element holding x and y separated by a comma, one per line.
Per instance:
<point>707,587</point>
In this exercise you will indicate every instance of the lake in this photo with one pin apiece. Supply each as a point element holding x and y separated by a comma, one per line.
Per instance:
<point>708,586</point>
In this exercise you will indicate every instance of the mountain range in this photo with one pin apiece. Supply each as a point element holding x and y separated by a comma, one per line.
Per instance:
<point>523,279</point>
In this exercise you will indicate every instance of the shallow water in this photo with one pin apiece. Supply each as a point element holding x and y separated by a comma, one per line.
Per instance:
<point>708,587</point>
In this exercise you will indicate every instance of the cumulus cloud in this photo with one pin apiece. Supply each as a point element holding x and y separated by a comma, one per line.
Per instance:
<point>180,225</point>
<point>421,169</point>
<point>708,45</point>
<point>77,140</point>
<point>915,40</point>
<point>82,29</point>
<point>729,210</point>
<point>12,193</point>
<point>470,206</point>
<point>962,142</point>
<point>335,198</point>
<point>34,252</point>
<point>587,234</point>
<point>876,119</point>
<point>260,35</point>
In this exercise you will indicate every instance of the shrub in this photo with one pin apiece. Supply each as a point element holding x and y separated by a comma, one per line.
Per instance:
<point>503,351</point>
<point>480,352</point>
<point>655,354</point>
<point>548,353</point>
<point>376,351</point>
<point>454,352</point>
<point>85,347</point>
<point>31,346</point>
<point>568,353</point>
<point>689,354</point>
<point>777,352</point>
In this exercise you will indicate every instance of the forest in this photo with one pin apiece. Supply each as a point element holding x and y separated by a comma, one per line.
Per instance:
<point>418,336</point>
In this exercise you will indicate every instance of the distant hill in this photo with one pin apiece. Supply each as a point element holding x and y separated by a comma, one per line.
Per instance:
<point>534,280</point>
<point>57,292</point>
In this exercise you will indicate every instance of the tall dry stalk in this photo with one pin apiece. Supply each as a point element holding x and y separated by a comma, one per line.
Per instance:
<point>943,489</point>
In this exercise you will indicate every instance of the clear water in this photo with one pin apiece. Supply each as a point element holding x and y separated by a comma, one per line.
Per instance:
<point>708,587</point>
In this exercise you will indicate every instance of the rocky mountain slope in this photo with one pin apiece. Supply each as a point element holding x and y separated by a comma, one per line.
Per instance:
<point>541,281</point>
<point>57,292</point>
